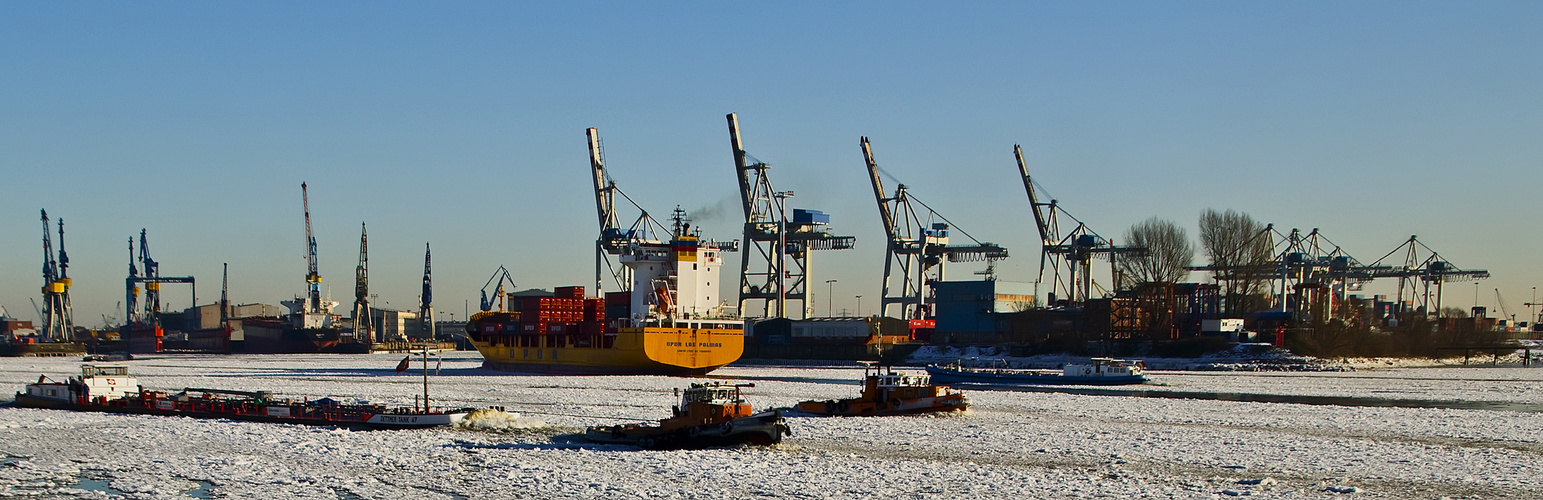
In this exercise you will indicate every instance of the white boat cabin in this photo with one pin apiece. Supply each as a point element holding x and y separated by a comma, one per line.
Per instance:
<point>110,382</point>
<point>1103,367</point>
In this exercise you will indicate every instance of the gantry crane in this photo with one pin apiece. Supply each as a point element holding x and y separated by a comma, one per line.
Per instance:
<point>364,327</point>
<point>1072,250</point>
<point>919,249</point>
<point>149,319</point>
<point>58,322</point>
<point>613,240</point>
<point>775,267</point>
<point>1422,274</point>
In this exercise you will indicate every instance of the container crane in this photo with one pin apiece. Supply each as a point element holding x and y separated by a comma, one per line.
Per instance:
<point>1418,275</point>
<point>1071,251</point>
<point>775,267</point>
<point>915,253</point>
<point>612,239</point>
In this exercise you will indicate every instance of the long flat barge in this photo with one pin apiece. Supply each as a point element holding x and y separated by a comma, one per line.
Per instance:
<point>109,389</point>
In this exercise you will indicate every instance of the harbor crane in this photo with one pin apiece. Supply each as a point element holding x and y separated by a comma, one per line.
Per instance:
<point>310,312</point>
<point>1505,312</point>
<point>501,275</point>
<point>312,277</point>
<point>426,309</point>
<point>1072,251</point>
<point>58,323</point>
<point>364,327</point>
<point>150,317</point>
<point>916,250</point>
<point>1418,275</point>
<point>776,267</point>
<point>225,297</point>
<point>613,239</point>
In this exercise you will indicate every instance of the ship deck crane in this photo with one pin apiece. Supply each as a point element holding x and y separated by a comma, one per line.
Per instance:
<point>1072,250</point>
<point>916,251</point>
<point>776,267</point>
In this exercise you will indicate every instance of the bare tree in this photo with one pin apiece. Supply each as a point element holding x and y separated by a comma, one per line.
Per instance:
<point>1168,256</point>
<point>1240,254</point>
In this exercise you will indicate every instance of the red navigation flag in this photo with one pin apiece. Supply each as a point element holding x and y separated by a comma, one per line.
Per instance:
<point>402,367</point>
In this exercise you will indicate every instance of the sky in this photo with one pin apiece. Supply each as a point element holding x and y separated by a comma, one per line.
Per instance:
<point>461,125</point>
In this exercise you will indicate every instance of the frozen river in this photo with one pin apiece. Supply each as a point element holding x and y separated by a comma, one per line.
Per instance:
<point>1011,444</point>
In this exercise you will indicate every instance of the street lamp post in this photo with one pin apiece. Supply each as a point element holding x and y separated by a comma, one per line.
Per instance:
<point>830,297</point>
<point>782,252</point>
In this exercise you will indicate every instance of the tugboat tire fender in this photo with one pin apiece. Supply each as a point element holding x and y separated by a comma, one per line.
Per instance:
<point>727,427</point>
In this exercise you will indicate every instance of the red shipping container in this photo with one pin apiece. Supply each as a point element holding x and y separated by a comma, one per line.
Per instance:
<point>618,298</point>
<point>572,292</point>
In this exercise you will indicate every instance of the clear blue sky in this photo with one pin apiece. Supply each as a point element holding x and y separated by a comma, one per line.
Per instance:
<point>462,125</point>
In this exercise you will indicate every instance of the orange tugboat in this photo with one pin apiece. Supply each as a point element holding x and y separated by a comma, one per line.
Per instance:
<point>888,392</point>
<point>710,414</point>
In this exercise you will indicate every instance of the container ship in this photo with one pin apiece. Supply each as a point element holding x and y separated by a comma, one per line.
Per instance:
<point>672,321</point>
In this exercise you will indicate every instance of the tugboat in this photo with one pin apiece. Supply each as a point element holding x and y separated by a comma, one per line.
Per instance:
<point>110,389</point>
<point>1097,371</point>
<point>709,414</point>
<point>888,392</point>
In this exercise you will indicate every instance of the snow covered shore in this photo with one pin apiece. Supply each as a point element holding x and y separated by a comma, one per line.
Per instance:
<point>1010,445</point>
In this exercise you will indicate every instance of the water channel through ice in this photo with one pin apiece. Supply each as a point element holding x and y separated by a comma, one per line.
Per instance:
<point>1011,444</point>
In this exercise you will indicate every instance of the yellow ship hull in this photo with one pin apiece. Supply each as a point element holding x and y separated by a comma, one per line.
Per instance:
<point>630,351</point>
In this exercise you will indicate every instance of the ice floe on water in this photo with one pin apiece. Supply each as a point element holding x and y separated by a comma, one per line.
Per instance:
<point>1011,444</point>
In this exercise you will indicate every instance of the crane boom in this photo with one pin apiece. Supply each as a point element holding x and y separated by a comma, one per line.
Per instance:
<point>312,278</point>
<point>885,216</point>
<point>1028,185</point>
